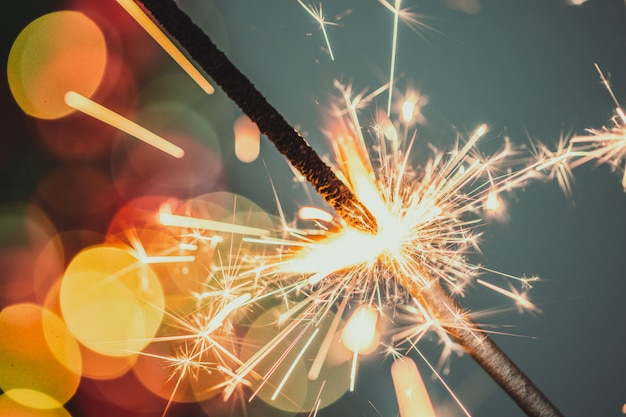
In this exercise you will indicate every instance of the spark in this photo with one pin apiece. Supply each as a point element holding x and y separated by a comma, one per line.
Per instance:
<point>108,116</point>
<point>446,386</point>
<point>606,145</point>
<point>404,15</point>
<point>326,343</point>
<point>318,15</point>
<point>520,299</point>
<point>218,320</point>
<point>359,333</point>
<point>410,106</point>
<point>293,365</point>
<point>315,409</point>
<point>395,9</point>
<point>557,164</point>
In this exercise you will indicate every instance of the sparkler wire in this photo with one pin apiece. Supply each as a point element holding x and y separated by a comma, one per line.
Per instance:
<point>291,144</point>
<point>483,350</point>
<point>270,122</point>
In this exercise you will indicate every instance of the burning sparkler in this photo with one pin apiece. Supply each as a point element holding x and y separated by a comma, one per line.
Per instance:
<point>415,234</point>
<point>317,295</point>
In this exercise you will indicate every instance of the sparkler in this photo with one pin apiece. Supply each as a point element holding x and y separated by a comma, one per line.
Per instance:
<point>415,231</point>
<point>379,277</point>
<point>607,145</point>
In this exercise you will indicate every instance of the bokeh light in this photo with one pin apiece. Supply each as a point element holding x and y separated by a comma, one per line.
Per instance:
<point>40,363</point>
<point>12,408</point>
<point>294,357</point>
<point>103,367</point>
<point>247,139</point>
<point>413,399</point>
<point>30,259</point>
<point>58,52</point>
<point>79,137</point>
<point>111,301</point>
<point>127,393</point>
<point>360,334</point>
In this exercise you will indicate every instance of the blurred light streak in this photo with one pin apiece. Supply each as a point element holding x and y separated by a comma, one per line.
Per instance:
<point>395,9</point>
<point>413,399</point>
<point>157,34</point>
<point>520,299</point>
<point>108,116</point>
<point>176,220</point>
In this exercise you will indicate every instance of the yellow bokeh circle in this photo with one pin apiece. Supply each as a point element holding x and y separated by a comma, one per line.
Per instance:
<point>283,377</point>
<point>111,301</point>
<point>56,53</point>
<point>40,361</point>
<point>11,408</point>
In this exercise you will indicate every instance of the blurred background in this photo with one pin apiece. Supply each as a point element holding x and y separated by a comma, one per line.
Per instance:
<point>524,67</point>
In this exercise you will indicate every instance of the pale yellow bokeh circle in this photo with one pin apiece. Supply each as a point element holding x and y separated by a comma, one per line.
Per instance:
<point>11,408</point>
<point>40,362</point>
<point>54,54</point>
<point>111,301</point>
<point>288,383</point>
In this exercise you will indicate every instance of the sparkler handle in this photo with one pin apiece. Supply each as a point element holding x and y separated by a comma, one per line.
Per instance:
<point>270,122</point>
<point>484,351</point>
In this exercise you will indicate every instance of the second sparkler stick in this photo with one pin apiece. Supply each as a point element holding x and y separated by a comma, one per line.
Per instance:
<point>288,141</point>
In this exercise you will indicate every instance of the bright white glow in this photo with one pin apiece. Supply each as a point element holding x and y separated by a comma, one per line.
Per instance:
<point>408,111</point>
<point>360,334</point>
<point>492,203</point>
<point>314,213</point>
